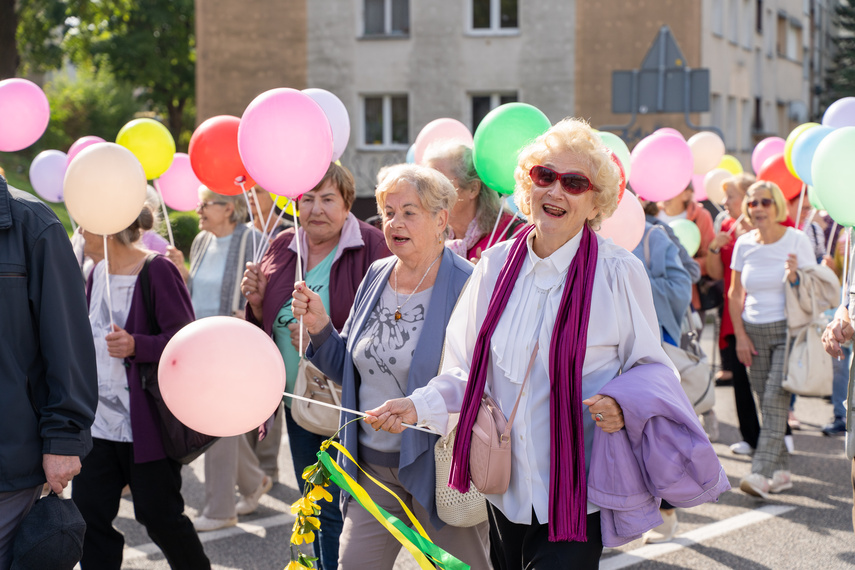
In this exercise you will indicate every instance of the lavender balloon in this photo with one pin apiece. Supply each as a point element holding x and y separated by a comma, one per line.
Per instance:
<point>841,113</point>
<point>46,174</point>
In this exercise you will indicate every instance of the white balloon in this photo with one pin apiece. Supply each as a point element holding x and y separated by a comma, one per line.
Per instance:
<point>707,151</point>
<point>337,115</point>
<point>105,188</point>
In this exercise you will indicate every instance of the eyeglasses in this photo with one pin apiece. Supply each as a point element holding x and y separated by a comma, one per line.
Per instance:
<point>572,182</point>
<point>202,205</point>
<point>765,202</point>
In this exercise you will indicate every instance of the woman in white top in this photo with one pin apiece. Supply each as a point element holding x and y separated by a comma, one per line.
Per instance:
<point>585,305</point>
<point>764,262</point>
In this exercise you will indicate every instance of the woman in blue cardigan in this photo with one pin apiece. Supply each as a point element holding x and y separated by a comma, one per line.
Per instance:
<point>390,346</point>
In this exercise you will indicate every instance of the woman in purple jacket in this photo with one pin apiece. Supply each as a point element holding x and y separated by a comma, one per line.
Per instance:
<point>126,433</point>
<point>337,250</point>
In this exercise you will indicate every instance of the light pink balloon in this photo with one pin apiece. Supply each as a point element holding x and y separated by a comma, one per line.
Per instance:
<point>766,149</point>
<point>24,114</point>
<point>47,172</point>
<point>713,184</point>
<point>707,150</point>
<point>285,142</point>
<point>221,376</point>
<point>668,131</point>
<point>626,226</point>
<point>450,130</point>
<point>82,143</point>
<point>179,184</point>
<point>662,167</point>
<point>699,188</point>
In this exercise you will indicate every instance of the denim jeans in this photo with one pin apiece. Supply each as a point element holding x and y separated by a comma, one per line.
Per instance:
<point>304,447</point>
<point>840,382</point>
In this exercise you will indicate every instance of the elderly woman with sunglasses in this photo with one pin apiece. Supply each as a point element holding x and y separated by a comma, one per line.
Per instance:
<point>565,311</point>
<point>764,262</point>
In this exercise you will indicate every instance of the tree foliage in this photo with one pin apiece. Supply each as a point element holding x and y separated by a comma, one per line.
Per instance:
<point>841,74</point>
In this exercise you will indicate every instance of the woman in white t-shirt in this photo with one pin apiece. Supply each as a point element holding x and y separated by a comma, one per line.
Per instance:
<point>764,263</point>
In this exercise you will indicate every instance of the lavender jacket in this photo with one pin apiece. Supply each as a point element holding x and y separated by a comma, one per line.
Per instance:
<point>663,453</point>
<point>170,301</point>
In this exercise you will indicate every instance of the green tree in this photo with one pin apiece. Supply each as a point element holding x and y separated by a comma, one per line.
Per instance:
<point>841,74</point>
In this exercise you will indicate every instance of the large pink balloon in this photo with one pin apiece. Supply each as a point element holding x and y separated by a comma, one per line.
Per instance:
<point>626,225</point>
<point>285,142</point>
<point>47,172</point>
<point>662,167</point>
<point>668,131</point>
<point>82,143</point>
<point>24,114</point>
<point>450,130</point>
<point>179,184</point>
<point>221,376</point>
<point>337,115</point>
<point>766,149</point>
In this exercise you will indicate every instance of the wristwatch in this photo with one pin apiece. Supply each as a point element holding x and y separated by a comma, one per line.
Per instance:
<point>715,250</point>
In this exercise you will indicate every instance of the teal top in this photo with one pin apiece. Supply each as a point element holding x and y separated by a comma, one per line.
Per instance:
<point>318,280</point>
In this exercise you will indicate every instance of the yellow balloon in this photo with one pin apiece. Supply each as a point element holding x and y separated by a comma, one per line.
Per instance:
<point>791,140</point>
<point>731,164</point>
<point>281,201</point>
<point>151,143</point>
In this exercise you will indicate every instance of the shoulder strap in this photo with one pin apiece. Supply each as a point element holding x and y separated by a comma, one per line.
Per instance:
<point>145,287</point>
<point>507,435</point>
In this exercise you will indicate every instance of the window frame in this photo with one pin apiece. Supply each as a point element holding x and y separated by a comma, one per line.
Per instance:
<point>495,28</point>
<point>387,142</point>
<point>495,101</point>
<point>388,32</point>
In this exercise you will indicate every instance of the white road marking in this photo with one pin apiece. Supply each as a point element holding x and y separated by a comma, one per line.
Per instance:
<point>706,532</point>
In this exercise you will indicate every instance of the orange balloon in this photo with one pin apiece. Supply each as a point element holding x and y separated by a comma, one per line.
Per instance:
<point>775,170</point>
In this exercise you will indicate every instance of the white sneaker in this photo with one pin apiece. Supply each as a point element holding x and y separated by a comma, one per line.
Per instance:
<point>756,484</point>
<point>204,524</point>
<point>665,531</point>
<point>788,442</point>
<point>742,448</point>
<point>781,481</point>
<point>247,505</point>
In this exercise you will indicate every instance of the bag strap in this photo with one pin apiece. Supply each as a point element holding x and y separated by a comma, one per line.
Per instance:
<point>145,287</point>
<point>507,435</point>
<point>241,268</point>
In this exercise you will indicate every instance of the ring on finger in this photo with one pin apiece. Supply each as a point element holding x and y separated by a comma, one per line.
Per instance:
<point>598,417</point>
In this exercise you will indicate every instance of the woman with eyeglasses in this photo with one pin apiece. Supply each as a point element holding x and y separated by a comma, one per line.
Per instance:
<point>764,262</point>
<point>473,217</point>
<point>564,312</point>
<point>217,258</point>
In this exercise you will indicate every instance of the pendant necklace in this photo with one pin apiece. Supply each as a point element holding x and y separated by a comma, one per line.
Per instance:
<point>398,314</point>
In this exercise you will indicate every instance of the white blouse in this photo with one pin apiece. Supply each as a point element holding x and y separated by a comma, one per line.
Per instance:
<point>622,332</point>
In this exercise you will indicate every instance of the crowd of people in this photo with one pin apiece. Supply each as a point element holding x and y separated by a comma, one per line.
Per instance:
<point>451,300</point>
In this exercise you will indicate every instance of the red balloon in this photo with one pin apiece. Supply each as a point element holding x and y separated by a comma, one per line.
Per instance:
<point>622,176</point>
<point>775,170</point>
<point>215,158</point>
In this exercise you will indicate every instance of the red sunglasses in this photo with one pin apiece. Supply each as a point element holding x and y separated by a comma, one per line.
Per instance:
<point>572,182</point>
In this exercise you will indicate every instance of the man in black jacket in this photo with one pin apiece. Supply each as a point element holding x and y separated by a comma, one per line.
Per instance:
<point>48,377</point>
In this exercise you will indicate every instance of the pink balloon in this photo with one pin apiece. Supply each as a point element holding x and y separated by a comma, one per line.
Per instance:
<point>285,142</point>
<point>221,376</point>
<point>662,167</point>
<point>766,149</point>
<point>699,188</point>
<point>24,114</point>
<point>82,143</point>
<point>179,184</point>
<point>450,130</point>
<point>626,226</point>
<point>668,131</point>
<point>47,172</point>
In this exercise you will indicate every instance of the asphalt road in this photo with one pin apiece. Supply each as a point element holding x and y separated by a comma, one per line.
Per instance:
<point>807,527</point>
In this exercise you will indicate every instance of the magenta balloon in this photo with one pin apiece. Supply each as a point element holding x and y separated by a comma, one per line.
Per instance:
<point>841,113</point>
<point>285,142</point>
<point>221,376</point>
<point>82,143</point>
<point>626,226</point>
<point>24,114</point>
<point>47,172</point>
<point>662,167</point>
<point>668,131</point>
<point>179,184</point>
<point>337,115</point>
<point>765,149</point>
<point>698,187</point>
<point>450,130</point>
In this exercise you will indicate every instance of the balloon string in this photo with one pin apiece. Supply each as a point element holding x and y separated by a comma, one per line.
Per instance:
<point>261,219</point>
<point>847,260</point>
<point>107,276</point>
<point>496,225</point>
<point>717,207</point>
<point>830,241</point>
<point>165,213</point>
<point>736,223</point>
<point>299,273</point>
<point>251,220</point>
<point>73,224</point>
<point>801,202</point>
<point>267,237</point>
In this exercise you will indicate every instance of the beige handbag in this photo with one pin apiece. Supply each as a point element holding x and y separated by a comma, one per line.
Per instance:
<point>315,385</point>
<point>452,506</point>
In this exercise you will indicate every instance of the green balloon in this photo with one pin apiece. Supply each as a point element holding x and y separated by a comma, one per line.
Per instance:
<point>500,137</point>
<point>813,198</point>
<point>688,234</point>
<point>617,146</point>
<point>833,170</point>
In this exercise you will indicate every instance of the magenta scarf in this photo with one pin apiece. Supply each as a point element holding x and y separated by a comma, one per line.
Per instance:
<point>567,485</point>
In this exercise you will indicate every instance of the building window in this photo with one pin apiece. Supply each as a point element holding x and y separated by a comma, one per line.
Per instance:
<point>386,120</point>
<point>730,125</point>
<point>483,104</point>
<point>718,17</point>
<point>387,17</point>
<point>758,17</point>
<point>733,17</point>
<point>746,144</point>
<point>747,25</point>
<point>757,123</point>
<point>716,110</point>
<point>781,44</point>
<point>494,15</point>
